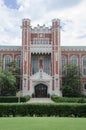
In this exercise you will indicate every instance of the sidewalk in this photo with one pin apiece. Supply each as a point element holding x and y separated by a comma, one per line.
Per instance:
<point>40,100</point>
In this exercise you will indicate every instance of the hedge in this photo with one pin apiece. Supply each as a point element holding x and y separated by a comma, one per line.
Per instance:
<point>56,98</point>
<point>53,109</point>
<point>13,99</point>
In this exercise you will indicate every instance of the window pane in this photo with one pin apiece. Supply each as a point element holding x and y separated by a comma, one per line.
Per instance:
<point>18,60</point>
<point>47,64</point>
<point>34,64</point>
<point>74,60</point>
<point>64,63</point>
<point>6,61</point>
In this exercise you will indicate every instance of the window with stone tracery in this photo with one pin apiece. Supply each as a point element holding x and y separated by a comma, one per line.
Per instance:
<point>18,61</point>
<point>7,59</point>
<point>34,64</point>
<point>64,64</point>
<point>74,60</point>
<point>84,65</point>
<point>47,64</point>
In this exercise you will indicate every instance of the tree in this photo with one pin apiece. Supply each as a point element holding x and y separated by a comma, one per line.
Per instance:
<point>7,83</point>
<point>13,68</point>
<point>72,81</point>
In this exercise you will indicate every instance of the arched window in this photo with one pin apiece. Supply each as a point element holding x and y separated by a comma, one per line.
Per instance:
<point>74,60</point>
<point>64,63</point>
<point>34,64</point>
<point>47,64</point>
<point>18,61</point>
<point>7,59</point>
<point>84,65</point>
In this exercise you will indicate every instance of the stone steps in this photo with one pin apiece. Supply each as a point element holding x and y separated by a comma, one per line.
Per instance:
<point>40,100</point>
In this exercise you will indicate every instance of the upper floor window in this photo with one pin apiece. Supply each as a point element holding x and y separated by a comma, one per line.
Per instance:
<point>85,86</point>
<point>64,60</point>
<point>84,65</point>
<point>41,41</point>
<point>35,41</point>
<point>7,59</point>
<point>34,65</point>
<point>18,61</point>
<point>47,40</point>
<point>84,62</point>
<point>64,63</point>
<point>47,64</point>
<point>74,60</point>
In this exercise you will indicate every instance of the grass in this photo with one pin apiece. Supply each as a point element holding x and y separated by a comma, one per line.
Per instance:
<point>42,123</point>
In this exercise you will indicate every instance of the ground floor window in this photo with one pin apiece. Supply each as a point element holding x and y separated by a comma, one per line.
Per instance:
<point>85,86</point>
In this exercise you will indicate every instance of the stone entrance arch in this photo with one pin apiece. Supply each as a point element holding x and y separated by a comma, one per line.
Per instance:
<point>41,90</point>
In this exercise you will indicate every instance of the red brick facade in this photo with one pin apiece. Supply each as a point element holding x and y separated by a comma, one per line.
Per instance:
<point>37,44</point>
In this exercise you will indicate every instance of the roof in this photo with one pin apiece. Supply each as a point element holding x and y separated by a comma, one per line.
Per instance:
<point>10,48</point>
<point>63,48</point>
<point>73,48</point>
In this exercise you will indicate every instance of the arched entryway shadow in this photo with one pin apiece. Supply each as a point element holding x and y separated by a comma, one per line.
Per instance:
<point>41,90</point>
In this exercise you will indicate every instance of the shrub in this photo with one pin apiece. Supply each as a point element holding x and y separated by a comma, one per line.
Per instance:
<point>13,99</point>
<point>56,98</point>
<point>62,110</point>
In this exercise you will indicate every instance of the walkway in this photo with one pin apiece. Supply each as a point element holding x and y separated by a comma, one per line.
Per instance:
<point>40,100</point>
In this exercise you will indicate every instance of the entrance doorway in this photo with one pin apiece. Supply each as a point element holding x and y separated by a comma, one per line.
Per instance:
<point>40,90</point>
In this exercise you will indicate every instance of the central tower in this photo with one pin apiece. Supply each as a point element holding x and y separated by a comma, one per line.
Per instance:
<point>41,59</point>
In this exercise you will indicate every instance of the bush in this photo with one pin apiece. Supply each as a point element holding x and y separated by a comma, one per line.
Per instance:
<point>61,110</point>
<point>13,99</point>
<point>56,98</point>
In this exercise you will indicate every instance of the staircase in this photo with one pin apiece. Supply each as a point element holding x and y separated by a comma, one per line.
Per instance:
<point>40,100</point>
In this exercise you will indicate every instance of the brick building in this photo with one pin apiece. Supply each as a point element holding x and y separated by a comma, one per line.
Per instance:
<point>41,59</point>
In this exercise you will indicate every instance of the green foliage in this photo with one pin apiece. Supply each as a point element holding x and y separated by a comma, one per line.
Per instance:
<point>62,110</point>
<point>13,99</point>
<point>71,86</point>
<point>13,68</point>
<point>7,83</point>
<point>56,98</point>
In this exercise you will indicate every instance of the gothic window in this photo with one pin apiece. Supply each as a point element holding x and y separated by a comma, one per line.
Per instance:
<point>47,64</point>
<point>18,61</point>
<point>35,41</point>
<point>41,40</point>
<point>56,83</point>
<point>47,40</point>
<point>7,59</point>
<point>64,63</point>
<point>74,60</point>
<point>34,64</point>
<point>84,65</point>
<point>24,82</point>
<point>85,86</point>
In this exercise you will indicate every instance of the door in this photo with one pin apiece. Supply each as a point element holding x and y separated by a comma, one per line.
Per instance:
<point>41,90</point>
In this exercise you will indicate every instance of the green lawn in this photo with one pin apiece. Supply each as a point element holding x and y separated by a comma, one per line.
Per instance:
<point>42,123</point>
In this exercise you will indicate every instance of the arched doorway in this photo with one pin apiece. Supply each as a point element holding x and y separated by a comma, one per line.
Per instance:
<point>40,90</point>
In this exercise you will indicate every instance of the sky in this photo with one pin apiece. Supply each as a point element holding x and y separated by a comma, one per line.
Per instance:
<point>72,15</point>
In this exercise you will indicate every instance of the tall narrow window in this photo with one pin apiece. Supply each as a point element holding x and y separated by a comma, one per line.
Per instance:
<point>41,64</point>
<point>18,61</point>
<point>64,63</point>
<point>34,64</point>
<point>35,41</point>
<point>56,83</point>
<point>7,59</point>
<point>74,60</point>
<point>47,40</point>
<point>84,65</point>
<point>47,64</point>
<point>24,82</point>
